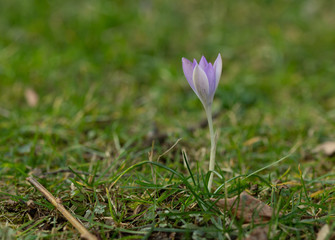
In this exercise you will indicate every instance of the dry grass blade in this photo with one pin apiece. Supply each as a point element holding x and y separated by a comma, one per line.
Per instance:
<point>84,233</point>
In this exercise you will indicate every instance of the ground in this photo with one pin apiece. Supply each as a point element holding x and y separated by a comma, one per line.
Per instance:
<point>94,105</point>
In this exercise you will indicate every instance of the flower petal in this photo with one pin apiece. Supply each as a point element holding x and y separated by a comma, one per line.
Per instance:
<point>194,63</point>
<point>210,73</point>
<point>218,70</point>
<point>188,71</point>
<point>201,85</point>
<point>203,63</point>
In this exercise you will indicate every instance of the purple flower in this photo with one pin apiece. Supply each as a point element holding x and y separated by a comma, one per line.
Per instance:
<point>203,78</point>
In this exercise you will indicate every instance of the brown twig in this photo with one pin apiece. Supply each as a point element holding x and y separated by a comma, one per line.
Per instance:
<point>84,233</point>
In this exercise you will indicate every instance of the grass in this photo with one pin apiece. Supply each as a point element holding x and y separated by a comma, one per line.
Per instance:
<point>109,80</point>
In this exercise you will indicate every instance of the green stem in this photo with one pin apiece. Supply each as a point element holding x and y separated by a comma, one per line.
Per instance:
<point>213,146</point>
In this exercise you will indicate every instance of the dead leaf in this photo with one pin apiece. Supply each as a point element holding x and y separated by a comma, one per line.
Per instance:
<point>246,208</point>
<point>258,233</point>
<point>31,204</point>
<point>31,97</point>
<point>327,148</point>
<point>323,234</point>
<point>252,141</point>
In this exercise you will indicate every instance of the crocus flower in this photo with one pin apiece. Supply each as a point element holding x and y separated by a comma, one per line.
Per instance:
<point>203,78</point>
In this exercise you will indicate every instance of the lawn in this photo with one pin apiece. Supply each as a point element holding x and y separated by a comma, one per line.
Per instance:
<point>94,105</point>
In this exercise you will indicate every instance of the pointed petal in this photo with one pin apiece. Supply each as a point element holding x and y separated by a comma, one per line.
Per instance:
<point>194,63</point>
<point>188,71</point>
<point>218,70</point>
<point>201,85</point>
<point>203,63</point>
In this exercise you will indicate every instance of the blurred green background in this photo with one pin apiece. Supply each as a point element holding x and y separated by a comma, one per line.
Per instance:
<point>108,74</point>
